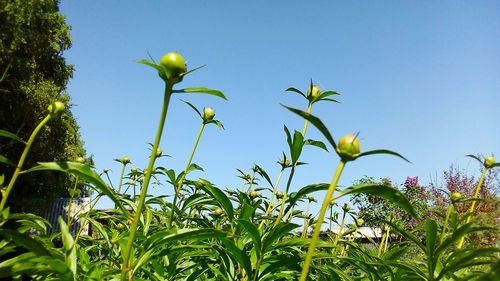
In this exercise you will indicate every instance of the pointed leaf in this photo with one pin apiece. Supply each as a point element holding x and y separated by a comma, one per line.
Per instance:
<point>254,234</point>
<point>5,160</point>
<point>316,123</point>
<point>282,229</point>
<point>218,195</point>
<point>291,89</point>
<point>475,157</point>
<point>264,174</point>
<point>10,135</point>
<point>382,151</point>
<point>296,196</point>
<point>193,107</point>
<point>387,192</point>
<point>316,143</point>
<point>430,236</point>
<point>69,247</point>
<point>202,90</point>
<point>83,172</point>
<point>25,241</point>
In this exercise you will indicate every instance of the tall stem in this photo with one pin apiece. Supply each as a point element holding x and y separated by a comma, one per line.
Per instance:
<point>121,177</point>
<point>144,190</point>
<point>306,122</point>
<point>306,220</point>
<point>340,231</point>
<point>448,213</point>
<point>70,203</point>
<point>5,194</point>
<point>181,181</point>
<point>273,195</point>
<point>471,210</point>
<point>317,228</point>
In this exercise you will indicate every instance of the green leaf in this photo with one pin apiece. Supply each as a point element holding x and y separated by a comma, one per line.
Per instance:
<point>297,145</point>
<point>202,90</point>
<point>158,67</point>
<point>5,160</point>
<point>193,107</point>
<point>475,157</point>
<point>84,173</point>
<point>25,241</point>
<point>387,192</point>
<point>10,135</point>
<point>288,137</point>
<point>430,237</point>
<point>319,144</point>
<point>218,195</point>
<point>237,254</point>
<point>381,151</point>
<point>296,196</point>
<point>276,233</point>
<point>458,234</point>
<point>264,174</point>
<point>254,234</point>
<point>69,247</point>
<point>316,123</point>
<point>291,89</point>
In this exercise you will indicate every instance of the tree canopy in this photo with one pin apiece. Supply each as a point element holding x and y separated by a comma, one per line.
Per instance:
<point>33,73</point>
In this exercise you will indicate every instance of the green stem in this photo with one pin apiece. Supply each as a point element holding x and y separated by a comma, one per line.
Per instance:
<point>387,240</point>
<point>285,197</point>
<point>144,190</point>
<point>471,210</point>
<point>70,203</point>
<point>84,221</point>
<point>271,201</point>
<point>381,246</point>
<point>121,178</point>
<point>317,228</point>
<point>306,224</point>
<point>5,194</point>
<point>252,178</point>
<point>448,213</point>
<point>306,122</point>
<point>340,231</point>
<point>181,181</point>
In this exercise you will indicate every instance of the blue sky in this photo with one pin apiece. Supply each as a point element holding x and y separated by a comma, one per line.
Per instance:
<point>417,77</point>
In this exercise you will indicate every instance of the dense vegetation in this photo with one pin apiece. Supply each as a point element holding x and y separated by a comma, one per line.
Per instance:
<point>33,73</point>
<point>200,232</point>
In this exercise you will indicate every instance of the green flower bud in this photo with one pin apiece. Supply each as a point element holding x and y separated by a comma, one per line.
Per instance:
<point>125,160</point>
<point>348,146</point>
<point>311,198</point>
<point>360,222</point>
<point>80,160</point>
<point>56,107</point>
<point>456,196</point>
<point>331,203</point>
<point>314,94</point>
<point>218,212</point>
<point>489,161</point>
<point>133,170</point>
<point>208,114</point>
<point>346,207</point>
<point>159,152</point>
<point>387,228</point>
<point>105,171</point>
<point>174,65</point>
<point>279,194</point>
<point>252,194</point>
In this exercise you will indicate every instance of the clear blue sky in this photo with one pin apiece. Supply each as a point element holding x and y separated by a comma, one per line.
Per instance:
<point>419,77</point>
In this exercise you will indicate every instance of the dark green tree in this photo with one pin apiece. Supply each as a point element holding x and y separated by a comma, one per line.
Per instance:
<point>33,73</point>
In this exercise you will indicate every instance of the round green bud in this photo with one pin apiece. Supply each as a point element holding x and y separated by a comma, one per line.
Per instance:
<point>489,161</point>
<point>80,160</point>
<point>279,194</point>
<point>174,65</point>
<point>159,152</point>
<point>331,203</point>
<point>253,194</point>
<point>133,170</point>
<point>125,160</point>
<point>360,222</point>
<point>387,228</point>
<point>218,212</point>
<point>56,107</point>
<point>310,198</point>
<point>208,114</point>
<point>456,196</point>
<point>348,146</point>
<point>315,93</point>
<point>346,207</point>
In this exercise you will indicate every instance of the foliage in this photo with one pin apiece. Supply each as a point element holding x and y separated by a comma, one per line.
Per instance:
<point>199,231</point>
<point>376,211</point>
<point>487,211</point>
<point>33,73</point>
